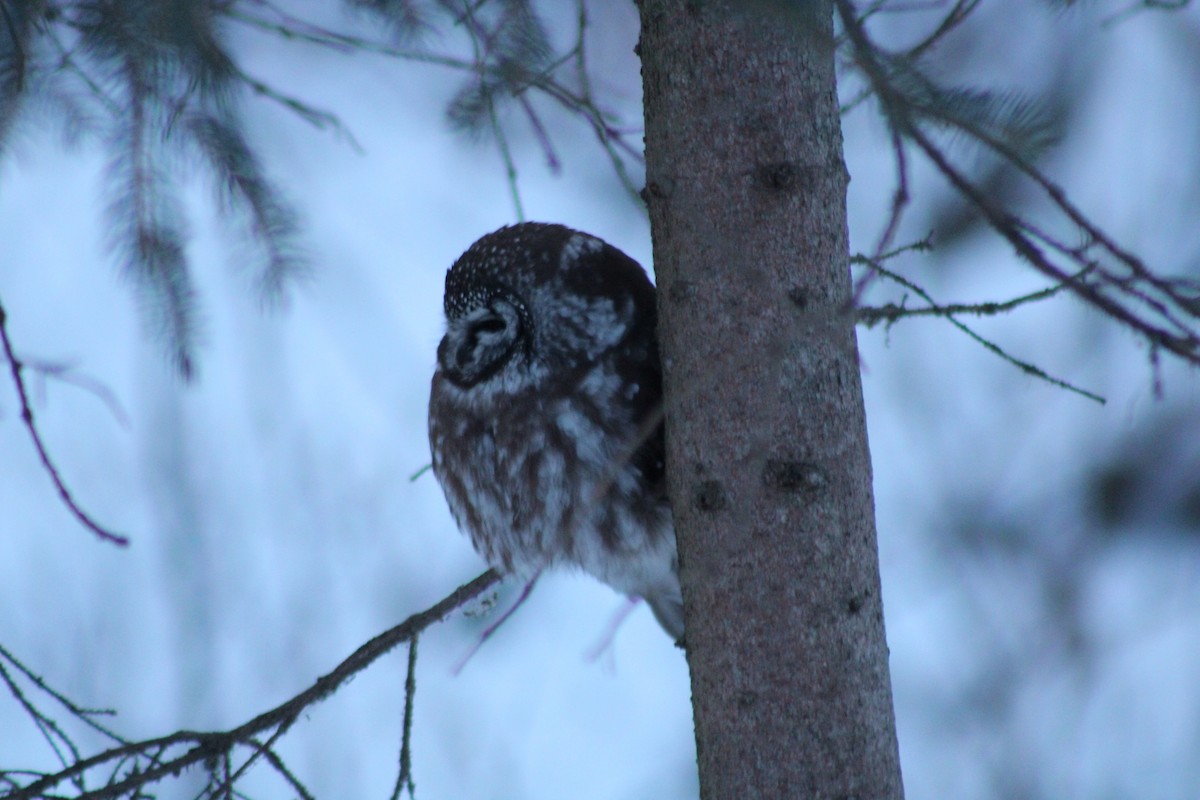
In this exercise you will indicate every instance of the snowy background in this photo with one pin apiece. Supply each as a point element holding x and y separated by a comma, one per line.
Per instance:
<point>1040,552</point>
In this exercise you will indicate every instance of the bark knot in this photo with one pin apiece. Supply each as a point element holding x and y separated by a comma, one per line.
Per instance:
<point>780,176</point>
<point>657,190</point>
<point>856,602</point>
<point>709,496</point>
<point>794,476</point>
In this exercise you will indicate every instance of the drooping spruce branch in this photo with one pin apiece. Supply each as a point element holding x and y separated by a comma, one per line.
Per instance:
<point>510,58</point>
<point>156,83</point>
<point>129,767</point>
<point>1164,311</point>
<point>152,82</point>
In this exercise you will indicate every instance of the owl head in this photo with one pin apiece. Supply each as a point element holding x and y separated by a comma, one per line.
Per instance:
<point>533,301</point>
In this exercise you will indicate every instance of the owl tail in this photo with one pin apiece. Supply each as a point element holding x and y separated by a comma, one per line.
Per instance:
<point>668,610</point>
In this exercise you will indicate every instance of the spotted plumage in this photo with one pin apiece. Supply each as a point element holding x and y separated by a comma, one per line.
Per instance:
<point>545,414</point>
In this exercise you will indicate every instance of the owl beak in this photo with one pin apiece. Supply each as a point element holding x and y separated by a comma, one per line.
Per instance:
<point>464,353</point>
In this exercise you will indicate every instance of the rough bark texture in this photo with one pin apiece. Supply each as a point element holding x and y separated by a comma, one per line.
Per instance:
<point>769,469</point>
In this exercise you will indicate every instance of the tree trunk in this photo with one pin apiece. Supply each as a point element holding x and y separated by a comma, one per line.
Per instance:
<point>768,465</point>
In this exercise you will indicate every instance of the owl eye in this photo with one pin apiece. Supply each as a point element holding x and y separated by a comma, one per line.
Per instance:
<point>485,341</point>
<point>477,345</point>
<point>489,325</point>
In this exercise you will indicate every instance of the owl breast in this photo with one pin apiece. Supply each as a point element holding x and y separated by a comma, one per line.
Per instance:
<point>542,481</point>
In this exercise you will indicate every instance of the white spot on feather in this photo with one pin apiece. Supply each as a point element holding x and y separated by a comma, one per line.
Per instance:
<point>576,246</point>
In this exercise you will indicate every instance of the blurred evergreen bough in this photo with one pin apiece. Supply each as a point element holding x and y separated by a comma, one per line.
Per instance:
<point>155,84</point>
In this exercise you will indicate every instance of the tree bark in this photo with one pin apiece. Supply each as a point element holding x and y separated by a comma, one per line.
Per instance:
<point>768,465</point>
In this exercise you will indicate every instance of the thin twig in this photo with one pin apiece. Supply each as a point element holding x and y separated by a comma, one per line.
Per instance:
<point>1122,14</point>
<point>900,200</point>
<point>1109,293</point>
<point>230,778</point>
<point>1185,345</point>
<point>67,59</point>
<point>613,139</point>
<point>49,729</point>
<point>279,766</point>
<point>480,45</point>
<point>294,28</point>
<point>954,17</point>
<point>66,373</point>
<point>85,715</point>
<point>15,367</point>
<point>1024,366</point>
<point>404,779</point>
<point>605,640</point>
<point>510,166</point>
<point>609,136</point>
<point>317,117</point>
<point>543,136</point>
<point>495,626</point>
<point>889,313</point>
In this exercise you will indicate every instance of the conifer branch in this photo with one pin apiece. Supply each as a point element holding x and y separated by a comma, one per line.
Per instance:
<point>1161,310</point>
<point>890,314</point>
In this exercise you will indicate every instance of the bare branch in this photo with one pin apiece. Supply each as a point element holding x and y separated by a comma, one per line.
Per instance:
<point>150,764</point>
<point>15,367</point>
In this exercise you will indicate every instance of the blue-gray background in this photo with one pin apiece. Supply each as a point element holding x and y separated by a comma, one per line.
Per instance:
<point>1040,647</point>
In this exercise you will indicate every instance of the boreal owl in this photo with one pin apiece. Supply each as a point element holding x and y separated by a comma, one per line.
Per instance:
<point>545,415</point>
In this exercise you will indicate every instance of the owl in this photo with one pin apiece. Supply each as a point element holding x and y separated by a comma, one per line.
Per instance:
<point>545,413</point>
